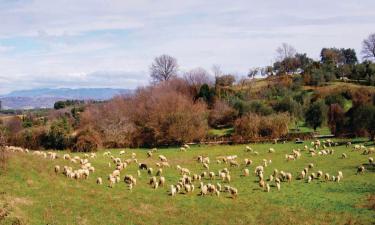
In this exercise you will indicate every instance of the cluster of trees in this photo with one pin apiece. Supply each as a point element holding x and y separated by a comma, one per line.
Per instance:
<point>334,64</point>
<point>177,109</point>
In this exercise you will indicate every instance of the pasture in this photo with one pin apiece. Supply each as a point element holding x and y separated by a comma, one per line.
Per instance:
<point>31,192</point>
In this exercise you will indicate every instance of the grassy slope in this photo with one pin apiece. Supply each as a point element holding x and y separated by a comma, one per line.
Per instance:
<point>39,196</point>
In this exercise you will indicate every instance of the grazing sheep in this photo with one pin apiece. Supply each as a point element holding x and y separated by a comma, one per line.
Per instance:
<point>149,171</point>
<point>288,177</point>
<point>159,172</point>
<point>311,166</point>
<point>152,180</point>
<point>249,149</point>
<point>149,154</point>
<point>57,169</point>
<point>205,165</point>
<point>370,160</point>
<point>122,152</point>
<point>112,180</point>
<point>268,188</point>
<point>343,156</point>
<point>262,183</point>
<point>319,174</point>
<point>116,173</point>
<point>234,163</point>
<point>309,179</point>
<point>161,181</point>
<point>211,175</point>
<point>142,166</point>
<point>360,170</point>
<point>278,186</point>
<point>99,180</point>
<point>326,176</point>
<point>246,172</point>
<point>248,162</point>
<point>302,174</point>
<point>271,178</point>
<point>163,158</point>
<point>233,191</point>
<point>173,190</point>
<point>271,150</point>
<point>340,175</point>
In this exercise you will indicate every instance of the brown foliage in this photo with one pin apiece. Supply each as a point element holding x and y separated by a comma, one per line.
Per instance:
<point>155,115</point>
<point>31,138</point>
<point>87,140</point>
<point>253,126</point>
<point>222,115</point>
<point>336,118</point>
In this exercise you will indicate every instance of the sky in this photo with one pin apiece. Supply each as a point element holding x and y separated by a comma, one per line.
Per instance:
<point>111,43</point>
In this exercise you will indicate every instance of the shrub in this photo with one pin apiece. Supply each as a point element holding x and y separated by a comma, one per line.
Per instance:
<point>222,115</point>
<point>58,136</point>
<point>32,138</point>
<point>289,105</point>
<point>316,114</point>
<point>87,140</point>
<point>335,99</point>
<point>253,126</point>
<point>336,119</point>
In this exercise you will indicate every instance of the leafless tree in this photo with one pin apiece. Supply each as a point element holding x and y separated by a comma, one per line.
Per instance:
<point>285,51</point>
<point>197,77</point>
<point>217,70</point>
<point>368,47</point>
<point>163,68</point>
<point>253,72</point>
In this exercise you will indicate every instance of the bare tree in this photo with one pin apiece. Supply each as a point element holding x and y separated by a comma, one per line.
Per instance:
<point>197,76</point>
<point>253,72</point>
<point>163,68</point>
<point>285,51</point>
<point>217,70</point>
<point>368,47</point>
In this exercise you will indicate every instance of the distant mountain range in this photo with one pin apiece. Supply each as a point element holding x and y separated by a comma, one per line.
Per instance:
<point>46,97</point>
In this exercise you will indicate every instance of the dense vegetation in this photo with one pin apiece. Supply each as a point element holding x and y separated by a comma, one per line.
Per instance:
<point>333,92</point>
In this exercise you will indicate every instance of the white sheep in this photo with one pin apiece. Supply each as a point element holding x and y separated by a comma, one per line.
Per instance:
<point>246,172</point>
<point>99,180</point>
<point>161,181</point>
<point>173,190</point>
<point>57,169</point>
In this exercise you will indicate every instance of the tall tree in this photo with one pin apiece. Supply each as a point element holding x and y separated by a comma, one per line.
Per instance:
<point>163,68</point>
<point>316,114</point>
<point>285,51</point>
<point>368,47</point>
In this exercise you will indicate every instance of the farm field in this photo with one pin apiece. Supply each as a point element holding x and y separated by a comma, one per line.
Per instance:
<point>31,192</point>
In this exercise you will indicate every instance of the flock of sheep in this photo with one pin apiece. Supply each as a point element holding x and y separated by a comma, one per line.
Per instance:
<point>204,181</point>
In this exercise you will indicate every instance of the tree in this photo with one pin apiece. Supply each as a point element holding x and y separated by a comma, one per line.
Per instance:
<point>163,68</point>
<point>195,78</point>
<point>336,118</point>
<point>349,55</point>
<point>316,114</point>
<point>253,72</point>
<point>368,47</point>
<point>285,51</point>
<point>331,56</point>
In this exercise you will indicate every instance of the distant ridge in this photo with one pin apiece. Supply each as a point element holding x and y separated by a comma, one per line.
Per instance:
<point>46,97</point>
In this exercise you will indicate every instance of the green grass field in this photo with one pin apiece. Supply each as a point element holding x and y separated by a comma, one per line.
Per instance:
<point>31,193</point>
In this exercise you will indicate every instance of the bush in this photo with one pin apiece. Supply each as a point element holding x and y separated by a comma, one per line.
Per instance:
<point>335,99</point>
<point>87,140</point>
<point>58,136</point>
<point>289,105</point>
<point>316,114</point>
<point>222,115</point>
<point>32,138</point>
<point>253,126</point>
